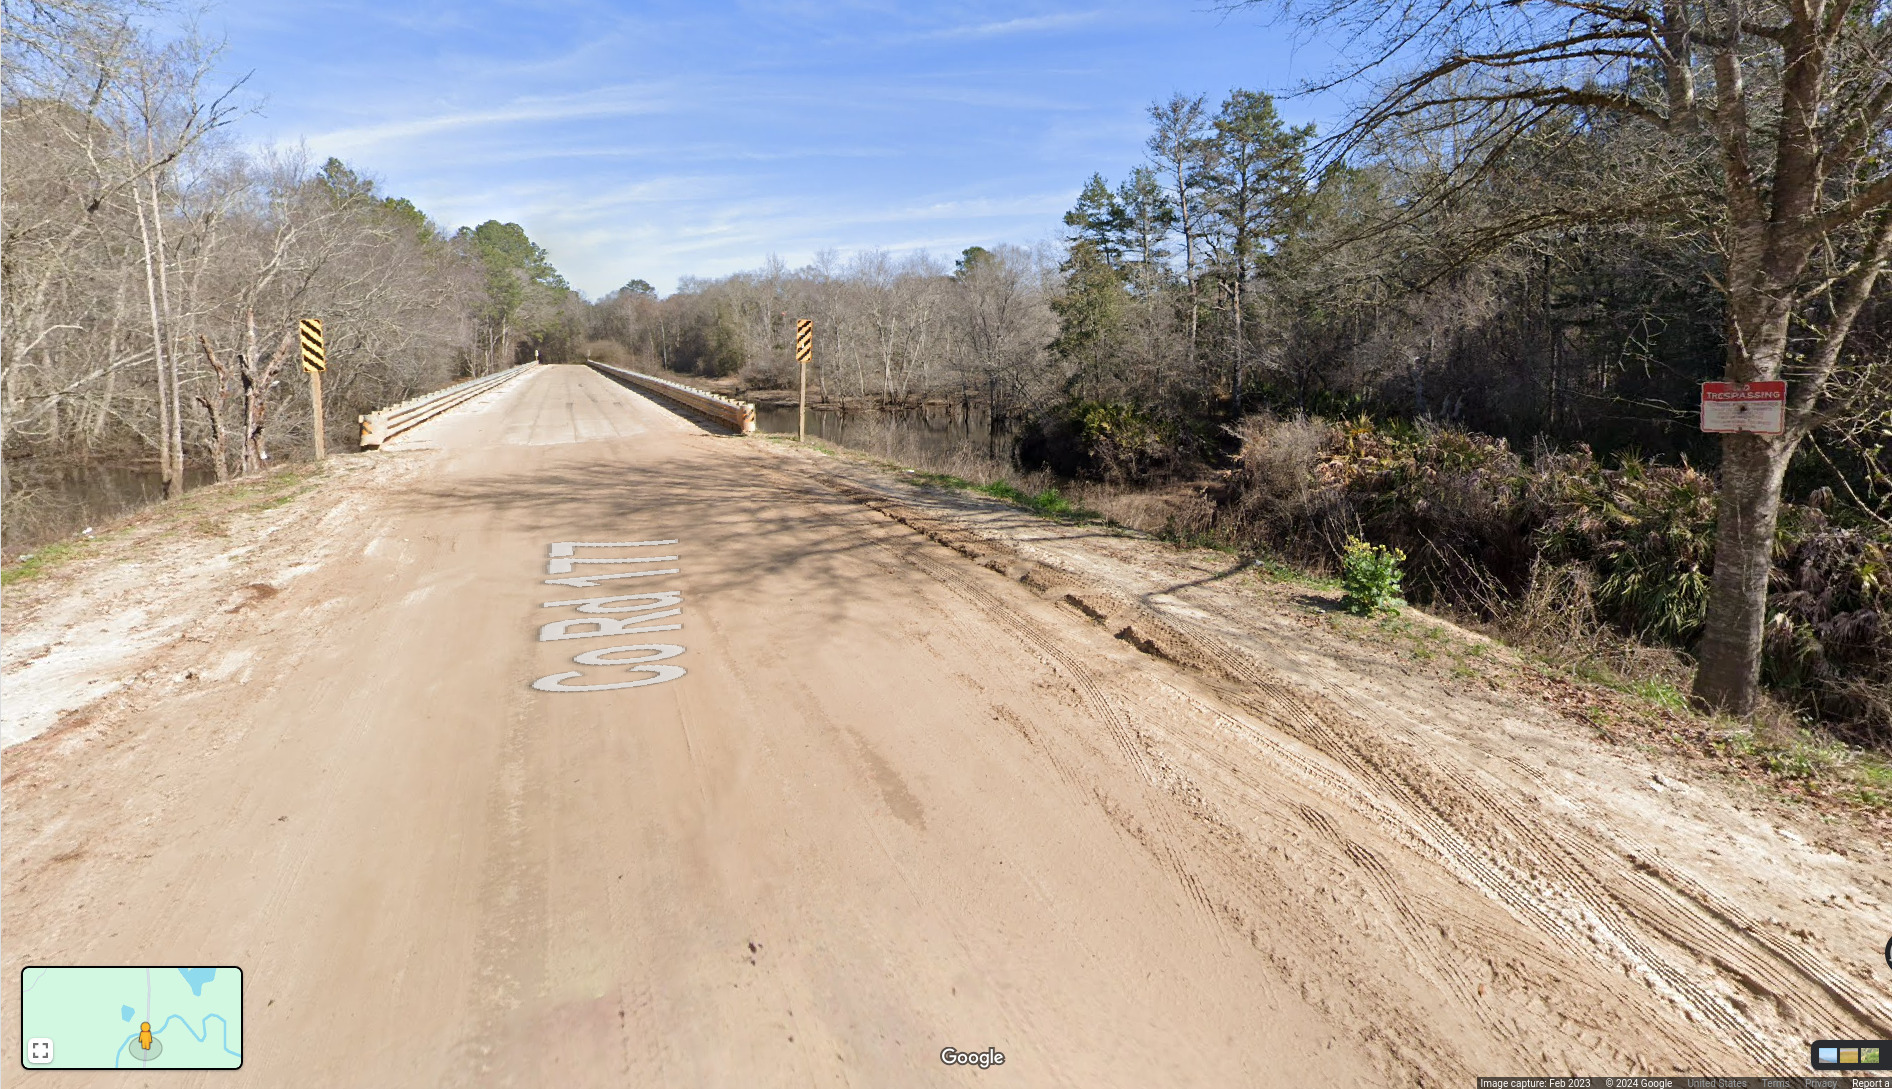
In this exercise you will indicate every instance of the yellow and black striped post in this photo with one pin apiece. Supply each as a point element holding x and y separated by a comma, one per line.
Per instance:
<point>804,355</point>
<point>315,361</point>
<point>314,351</point>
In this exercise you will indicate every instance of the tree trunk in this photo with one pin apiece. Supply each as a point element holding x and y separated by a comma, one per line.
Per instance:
<point>165,469</point>
<point>219,444</point>
<point>252,381</point>
<point>1762,266</point>
<point>96,428</point>
<point>218,461</point>
<point>175,438</point>
<point>256,390</point>
<point>1729,671</point>
<point>1239,273</point>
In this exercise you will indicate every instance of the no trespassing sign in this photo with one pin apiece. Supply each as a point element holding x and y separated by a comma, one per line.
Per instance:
<point>1760,407</point>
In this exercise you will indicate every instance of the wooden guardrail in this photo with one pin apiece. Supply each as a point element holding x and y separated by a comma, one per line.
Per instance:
<point>383,424</point>
<point>738,416</point>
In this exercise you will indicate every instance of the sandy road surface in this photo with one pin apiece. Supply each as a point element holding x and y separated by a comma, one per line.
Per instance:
<point>897,802</point>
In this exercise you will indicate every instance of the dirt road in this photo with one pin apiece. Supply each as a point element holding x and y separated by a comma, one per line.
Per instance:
<point>870,800</point>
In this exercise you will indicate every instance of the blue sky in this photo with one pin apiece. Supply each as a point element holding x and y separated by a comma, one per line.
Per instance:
<point>659,140</point>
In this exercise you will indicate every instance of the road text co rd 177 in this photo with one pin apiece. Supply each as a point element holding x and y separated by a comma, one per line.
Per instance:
<point>608,616</point>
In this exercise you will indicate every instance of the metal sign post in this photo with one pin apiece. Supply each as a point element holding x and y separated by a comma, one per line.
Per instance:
<point>315,361</point>
<point>804,355</point>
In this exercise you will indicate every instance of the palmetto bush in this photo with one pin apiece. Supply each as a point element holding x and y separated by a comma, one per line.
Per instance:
<point>1647,531</point>
<point>1829,630</point>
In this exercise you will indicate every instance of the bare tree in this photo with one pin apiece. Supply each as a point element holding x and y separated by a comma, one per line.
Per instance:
<point>1003,323</point>
<point>131,229</point>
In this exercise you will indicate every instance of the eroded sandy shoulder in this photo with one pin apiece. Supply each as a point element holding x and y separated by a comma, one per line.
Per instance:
<point>1758,918</point>
<point>97,626</point>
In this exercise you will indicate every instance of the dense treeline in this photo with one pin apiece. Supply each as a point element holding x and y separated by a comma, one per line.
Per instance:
<point>153,270</point>
<point>1220,279</point>
<point>888,330</point>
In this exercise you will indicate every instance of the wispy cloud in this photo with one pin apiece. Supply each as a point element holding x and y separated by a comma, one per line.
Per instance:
<point>680,153</point>
<point>1031,24</point>
<point>726,231</point>
<point>996,99</point>
<point>622,101</point>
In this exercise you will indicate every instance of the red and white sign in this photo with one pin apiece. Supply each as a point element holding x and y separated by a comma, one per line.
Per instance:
<point>1744,406</point>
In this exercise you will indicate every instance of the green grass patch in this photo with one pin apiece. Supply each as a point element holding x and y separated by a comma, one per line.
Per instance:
<point>1595,672</point>
<point>279,500</point>
<point>1050,502</point>
<point>1822,764</point>
<point>205,511</point>
<point>1276,571</point>
<point>1875,773</point>
<point>42,560</point>
<point>1805,758</point>
<point>1269,569</point>
<point>1003,489</point>
<point>938,480</point>
<point>1196,538</point>
<point>1872,780</point>
<point>1662,694</point>
<point>1740,743</point>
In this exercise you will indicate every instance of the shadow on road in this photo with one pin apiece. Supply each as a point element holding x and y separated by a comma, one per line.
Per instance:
<point>749,522</point>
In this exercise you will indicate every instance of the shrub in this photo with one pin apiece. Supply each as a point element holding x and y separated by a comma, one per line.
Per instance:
<point>1370,575</point>
<point>1096,440</point>
<point>1829,629</point>
<point>1565,547</point>
<point>1122,440</point>
<point>1279,493</point>
<point>1275,474</point>
<point>1649,531</point>
<point>1049,502</point>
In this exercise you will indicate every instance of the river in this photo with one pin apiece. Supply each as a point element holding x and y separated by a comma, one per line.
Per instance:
<point>47,504</point>
<point>928,439</point>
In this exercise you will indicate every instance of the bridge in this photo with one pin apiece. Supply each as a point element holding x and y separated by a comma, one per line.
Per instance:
<point>570,737</point>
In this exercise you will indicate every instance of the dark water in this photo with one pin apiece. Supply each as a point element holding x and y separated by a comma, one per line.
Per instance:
<point>912,437</point>
<point>46,504</point>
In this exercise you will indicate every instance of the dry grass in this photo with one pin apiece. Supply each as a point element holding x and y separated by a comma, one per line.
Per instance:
<point>1178,510</point>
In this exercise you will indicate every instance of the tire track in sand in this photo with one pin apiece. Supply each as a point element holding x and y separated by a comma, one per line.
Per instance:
<point>1094,693</point>
<point>1564,884</point>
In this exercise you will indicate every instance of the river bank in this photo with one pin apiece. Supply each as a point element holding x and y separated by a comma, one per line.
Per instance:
<point>47,503</point>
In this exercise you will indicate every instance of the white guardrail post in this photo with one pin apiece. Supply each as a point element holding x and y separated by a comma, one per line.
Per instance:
<point>738,416</point>
<point>379,426</point>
